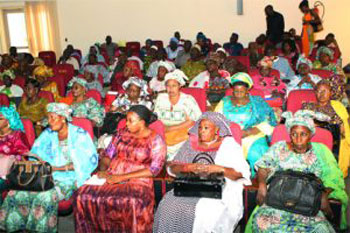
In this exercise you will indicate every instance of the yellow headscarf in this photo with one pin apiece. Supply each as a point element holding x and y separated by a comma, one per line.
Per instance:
<point>43,71</point>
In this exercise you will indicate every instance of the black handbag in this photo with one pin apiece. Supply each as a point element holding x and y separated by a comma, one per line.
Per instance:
<point>295,192</point>
<point>30,175</point>
<point>200,185</point>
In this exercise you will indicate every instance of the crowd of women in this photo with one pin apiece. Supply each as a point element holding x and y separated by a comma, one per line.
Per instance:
<point>110,176</point>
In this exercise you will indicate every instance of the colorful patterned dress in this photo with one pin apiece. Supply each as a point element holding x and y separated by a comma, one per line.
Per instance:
<point>89,109</point>
<point>268,219</point>
<point>256,113</point>
<point>37,211</point>
<point>128,206</point>
<point>193,68</point>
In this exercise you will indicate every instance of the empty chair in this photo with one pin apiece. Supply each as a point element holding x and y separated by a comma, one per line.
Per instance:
<point>296,99</point>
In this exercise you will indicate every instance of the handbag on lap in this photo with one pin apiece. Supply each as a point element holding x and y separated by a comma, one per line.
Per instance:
<point>295,192</point>
<point>30,175</point>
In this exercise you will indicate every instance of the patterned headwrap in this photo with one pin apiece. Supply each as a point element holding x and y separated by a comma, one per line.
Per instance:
<point>304,60</point>
<point>325,50</point>
<point>304,118</point>
<point>61,109</point>
<point>135,68</point>
<point>242,77</point>
<point>174,39</point>
<point>177,75</point>
<point>218,119</point>
<point>80,81</point>
<point>221,50</point>
<point>266,62</point>
<point>138,82</point>
<point>43,71</point>
<point>9,72</point>
<point>13,118</point>
<point>166,65</point>
<point>336,84</point>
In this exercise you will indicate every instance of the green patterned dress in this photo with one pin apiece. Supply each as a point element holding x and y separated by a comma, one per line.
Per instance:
<point>89,109</point>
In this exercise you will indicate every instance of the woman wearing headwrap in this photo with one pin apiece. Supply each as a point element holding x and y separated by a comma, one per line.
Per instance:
<point>173,49</point>
<point>264,79</point>
<point>131,69</point>
<point>125,203</point>
<point>10,89</point>
<point>92,83</point>
<point>96,51</point>
<point>300,154</point>
<point>328,105</point>
<point>32,106</point>
<point>310,18</point>
<point>73,157</point>
<point>81,105</point>
<point>13,141</point>
<point>153,68</point>
<point>96,68</point>
<point>304,79</point>
<point>324,61</point>
<point>157,83</point>
<point>195,65</point>
<point>176,110</point>
<point>41,73</point>
<point>211,135</point>
<point>252,113</point>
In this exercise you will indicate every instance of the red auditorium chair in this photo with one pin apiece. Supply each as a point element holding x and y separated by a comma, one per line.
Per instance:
<point>323,136</point>
<point>91,94</point>
<point>66,70</point>
<point>20,81</point>
<point>29,131</point>
<point>47,95</point>
<point>322,73</point>
<point>296,99</point>
<point>244,60</point>
<point>199,95</point>
<point>157,126</point>
<point>109,98</point>
<point>49,57</point>
<point>133,46</point>
<point>4,100</point>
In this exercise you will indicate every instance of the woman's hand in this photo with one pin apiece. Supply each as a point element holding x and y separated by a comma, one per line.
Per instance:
<point>262,191</point>
<point>114,179</point>
<point>325,206</point>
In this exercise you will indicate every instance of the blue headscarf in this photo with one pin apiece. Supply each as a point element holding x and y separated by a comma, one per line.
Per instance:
<point>13,118</point>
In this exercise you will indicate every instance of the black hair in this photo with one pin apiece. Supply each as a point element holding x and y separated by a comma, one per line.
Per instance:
<point>240,83</point>
<point>304,3</point>
<point>144,113</point>
<point>34,82</point>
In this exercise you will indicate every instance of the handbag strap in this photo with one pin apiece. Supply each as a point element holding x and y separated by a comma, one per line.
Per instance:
<point>204,156</point>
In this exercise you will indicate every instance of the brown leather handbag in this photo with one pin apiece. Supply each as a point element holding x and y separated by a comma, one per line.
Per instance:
<point>30,175</point>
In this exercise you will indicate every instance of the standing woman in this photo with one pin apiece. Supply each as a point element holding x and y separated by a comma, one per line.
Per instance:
<point>72,155</point>
<point>307,36</point>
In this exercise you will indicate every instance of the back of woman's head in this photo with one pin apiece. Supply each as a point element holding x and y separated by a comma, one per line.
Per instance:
<point>144,113</point>
<point>33,82</point>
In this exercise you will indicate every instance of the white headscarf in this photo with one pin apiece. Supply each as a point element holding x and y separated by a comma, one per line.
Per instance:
<point>177,75</point>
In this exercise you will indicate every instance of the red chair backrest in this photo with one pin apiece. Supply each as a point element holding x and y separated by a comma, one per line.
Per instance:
<point>20,81</point>
<point>157,126</point>
<point>66,70</point>
<point>84,124</point>
<point>29,131</point>
<point>322,73</point>
<point>253,72</point>
<point>236,132</point>
<point>4,100</point>
<point>134,46</point>
<point>296,98</point>
<point>47,95</point>
<point>92,93</point>
<point>158,43</point>
<point>60,82</point>
<point>252,91</point>
<point>199,95</point>
<point>109,98</point>
<point>49,57</point>
<point>323,136</point>
<point>244,60</point>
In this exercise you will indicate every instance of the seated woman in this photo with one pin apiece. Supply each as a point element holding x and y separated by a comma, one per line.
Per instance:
<point>41,73</point>
<point>233,66</point>
<point>289,52</point>
<point>304,79</point>
<point>131,69</point>
<point>96,68</point>
<point>157,83</point>
<point>324,58</point>
<point>214,80</point>
<point>303,156</point>
<point>265,80</point>
<point>177,111</point>
<point>13,141</point>
<point>10,89</point>
<point>253,54</point>
<point>252,113</point>
<point>195,65</point>
<point>95,50</point>
<point>72,155</point>
<point>126,202</point>
<point>212,135</point>
<point>32,106</point>
<point>83,106</point>
<point>92,82</point>
<point>339,116</point>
